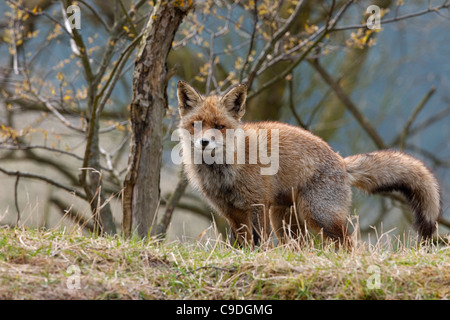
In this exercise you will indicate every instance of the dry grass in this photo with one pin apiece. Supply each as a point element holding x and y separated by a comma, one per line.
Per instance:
<point>34,265</point>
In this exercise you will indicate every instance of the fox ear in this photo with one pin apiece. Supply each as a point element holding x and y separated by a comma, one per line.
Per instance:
<point>188,98</point>
<point>234,100</point>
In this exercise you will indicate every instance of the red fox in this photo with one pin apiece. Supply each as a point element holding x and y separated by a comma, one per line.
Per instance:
<point>307,174</point>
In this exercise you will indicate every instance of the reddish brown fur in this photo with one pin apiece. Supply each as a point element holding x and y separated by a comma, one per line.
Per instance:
<point>311,175</point>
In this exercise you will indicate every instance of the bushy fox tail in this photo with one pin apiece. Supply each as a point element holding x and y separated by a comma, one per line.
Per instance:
<point>388,171</point>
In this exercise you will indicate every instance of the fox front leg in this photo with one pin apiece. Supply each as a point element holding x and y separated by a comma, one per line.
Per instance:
<point>241,226</point>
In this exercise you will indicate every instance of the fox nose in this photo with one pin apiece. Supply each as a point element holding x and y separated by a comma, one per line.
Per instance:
<point>204,142</point>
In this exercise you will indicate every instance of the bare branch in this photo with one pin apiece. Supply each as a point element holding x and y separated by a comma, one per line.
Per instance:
<point>252,39</point>
<point>115,74</point>
<point>397,18</point>
<point>97,16</point>
<point>57,114</point>
<point>445,163</point>
<point>45,179</point>
<point>30,105</point>
<point>318,105</point>
<point>269,46</point>
<point>161,228</point>
<point>31,147</point>
<point>115,33</point>
<point>28,147</point>
<point>426,123</point>
<point>16,202</point>
<point>348,103</point>
<point>79,42</point>
<point>322,32</point>
<point>292,105</point>
<point>39,13</point>
<point>127,16</point>
<point>404,134</point>
<point>56,165</point>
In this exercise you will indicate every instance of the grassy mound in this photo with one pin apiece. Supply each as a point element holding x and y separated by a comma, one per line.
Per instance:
<point>53,264</point>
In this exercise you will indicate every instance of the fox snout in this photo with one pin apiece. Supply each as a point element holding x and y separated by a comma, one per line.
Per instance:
<point>204,143</point>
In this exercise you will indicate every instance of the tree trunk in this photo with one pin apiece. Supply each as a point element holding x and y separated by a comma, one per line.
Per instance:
<point>141,194</point>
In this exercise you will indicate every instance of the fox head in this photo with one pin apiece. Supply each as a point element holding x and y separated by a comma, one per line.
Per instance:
<point>208,118</point>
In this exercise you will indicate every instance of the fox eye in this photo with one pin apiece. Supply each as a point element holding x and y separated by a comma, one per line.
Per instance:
<point>219,126</point>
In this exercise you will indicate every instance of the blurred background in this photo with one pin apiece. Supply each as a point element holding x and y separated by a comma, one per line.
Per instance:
<point>357,88</point>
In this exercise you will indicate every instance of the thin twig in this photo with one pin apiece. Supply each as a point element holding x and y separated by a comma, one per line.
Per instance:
<point>115,74</point>
<point>404,134</point>
<point>125,12</point>
<point>395,19</point>
<point>425,124</point>
<point>114,36</point>
<point>291,103</point>
<point>16,202</point>
<point>316,108</point>
<point>57,114</point>
<point>80,46</point>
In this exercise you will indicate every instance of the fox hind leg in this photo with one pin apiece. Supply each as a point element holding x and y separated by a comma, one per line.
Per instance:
<point>324,204</point>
